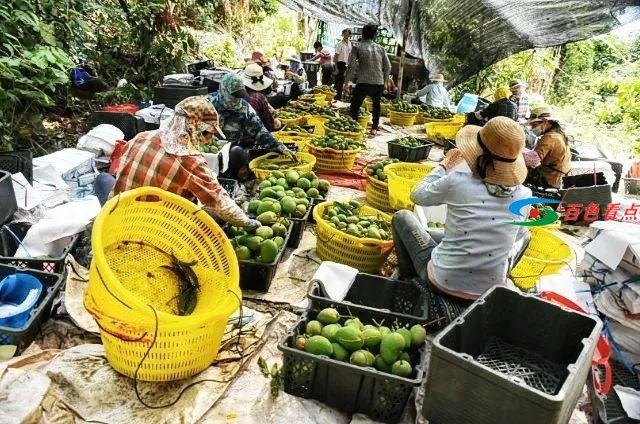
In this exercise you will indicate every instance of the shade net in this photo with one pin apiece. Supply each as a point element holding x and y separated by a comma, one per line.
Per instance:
<point>462,37</point>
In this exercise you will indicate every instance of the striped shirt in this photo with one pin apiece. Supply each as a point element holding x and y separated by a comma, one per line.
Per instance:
<point>145,163</point>
<point>368,64</point>
<point>524,106</point>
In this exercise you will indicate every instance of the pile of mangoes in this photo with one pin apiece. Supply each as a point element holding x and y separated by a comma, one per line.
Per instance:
<point>408,142</point>
<point>280,165</point>
<point>404,107</point>
<point>336,142</point>
<point>288,113</point>
<point>262,244</point>
<point>435,112</point>
<point>325,89</point>
<point>314,109</point>
<point>211,147</point>
<point>388,350</point>
<point>343,124</point>
<point>345,111</point>
<point>297,128</point>
<point>543,210</point>
<point>288,194</point>
<point>345,217</point>
<point>376,170</point>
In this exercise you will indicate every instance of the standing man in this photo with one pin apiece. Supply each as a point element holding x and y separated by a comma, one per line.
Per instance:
<point>435,94</point>
<point>369,66</point>
<point>341,58</point>
<point>520,98</point>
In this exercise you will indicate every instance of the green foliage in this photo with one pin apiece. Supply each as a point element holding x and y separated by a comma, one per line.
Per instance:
<point>34,64</point>
<point>577,59</point>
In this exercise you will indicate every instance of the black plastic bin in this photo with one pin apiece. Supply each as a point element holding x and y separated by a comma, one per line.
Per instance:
<point>349,388</point>
<point>298,226</point>
<point>18,161</point>
<point>608,408</point>
<point>409,154</point>
<point>8,205</point>
<point>508,358</point>
<point>171,95</point>
<point>312,206</point>
<point>9,245</point>
<point>376,293</point>
<point>22,337</point>
<point>257,276</point>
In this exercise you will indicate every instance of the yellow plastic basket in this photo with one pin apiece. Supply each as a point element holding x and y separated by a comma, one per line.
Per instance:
<point>133,239</point>
<point>300,140</point>
<point>368,104</point>
<point>331,160</point>
<point>328,95</point>
<point>378,194</point>
<point>402,178</point>
<point>275,158</point>
<point>318,122</point>
<point>352,135</point>
<point>438,130</point>
<point>301,120</point>
<point>459,118</point>
<point>318,98</point>
<point>402,118</point>
<point>545,255</point>
<point>365,254</point>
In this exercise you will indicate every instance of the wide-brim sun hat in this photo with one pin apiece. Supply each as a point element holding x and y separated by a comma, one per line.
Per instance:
<point>542,113</point>
<point>494,152</point>
<point>254,78</point>
<point>439,78</point>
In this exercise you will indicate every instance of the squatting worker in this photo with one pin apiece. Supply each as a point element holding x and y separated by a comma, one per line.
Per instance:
<point>369,67</point>
<point>242,127</point>
<point>473,253</point>
<point>168,158</point>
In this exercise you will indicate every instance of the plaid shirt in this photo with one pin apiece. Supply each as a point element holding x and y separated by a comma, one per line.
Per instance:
<point>145,163</point>
<point>524,106</point>
<point>369,64</point>
<point>259,103</point>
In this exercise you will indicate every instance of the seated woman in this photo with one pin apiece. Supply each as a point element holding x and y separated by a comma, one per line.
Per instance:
<point>550,160</point>
<point>501,106</point>
<point>258,86</point>
<point>473,255</point>
<point>242,127</point>
<point>169,158</point>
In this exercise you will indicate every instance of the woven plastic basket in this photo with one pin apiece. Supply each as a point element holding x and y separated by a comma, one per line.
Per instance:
<point>301,120</point>
<point>318,122</point>
<point>365,254</point>
<point>545,255</point>
<point>275,158</point>
<point>330,160</point>
<point>378,194</point>
<point>134,238</point>
<point>328,95</point>
<point>299,140</point>
<point>352,135</point>
<point>402,179</point>
<point>446,130</point>
<point>401,118</point>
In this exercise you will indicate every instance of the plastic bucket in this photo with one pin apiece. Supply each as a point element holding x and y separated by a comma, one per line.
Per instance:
<point>19,294</point>
<point>468,103</point>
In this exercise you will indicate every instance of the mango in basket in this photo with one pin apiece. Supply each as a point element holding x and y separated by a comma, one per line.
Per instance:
<point>336,142</point>
<point>297,185</point>
<point>263,244</point>
<point>376,169</point>
<point>343,124</point>
<point>344,216</point>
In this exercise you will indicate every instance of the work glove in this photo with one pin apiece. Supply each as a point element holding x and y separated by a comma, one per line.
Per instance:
<point>252,225</point>
<point>289,154</point>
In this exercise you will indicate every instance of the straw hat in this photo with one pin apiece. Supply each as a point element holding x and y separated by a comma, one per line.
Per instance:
<point>253,77</point>
<point>542,113</point>
<point>517,83</point>
<point>259,58</point>
<point>500,161</point>
<point>439,78</point>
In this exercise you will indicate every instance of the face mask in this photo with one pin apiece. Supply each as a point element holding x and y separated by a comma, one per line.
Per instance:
<point>537,131</point>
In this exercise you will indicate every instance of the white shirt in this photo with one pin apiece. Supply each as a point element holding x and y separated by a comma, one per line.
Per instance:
<point>474,253</point>
<point>343,51</point>
<point>435,95</point>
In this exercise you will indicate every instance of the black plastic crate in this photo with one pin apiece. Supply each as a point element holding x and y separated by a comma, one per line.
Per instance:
<point>18,161</point>
<point>608,408</point>
<point>500,360</point>
<point>8,206</point>
<point>129,124</point>
<point>9,245</point>
<point>409,154</point>
<point>257,276</point>
<point>349,388</point>
<point>376,293</point>
<point>312,206</point>
<point>297,229</point>
<point>22,337</point>
<point>171,95</point>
